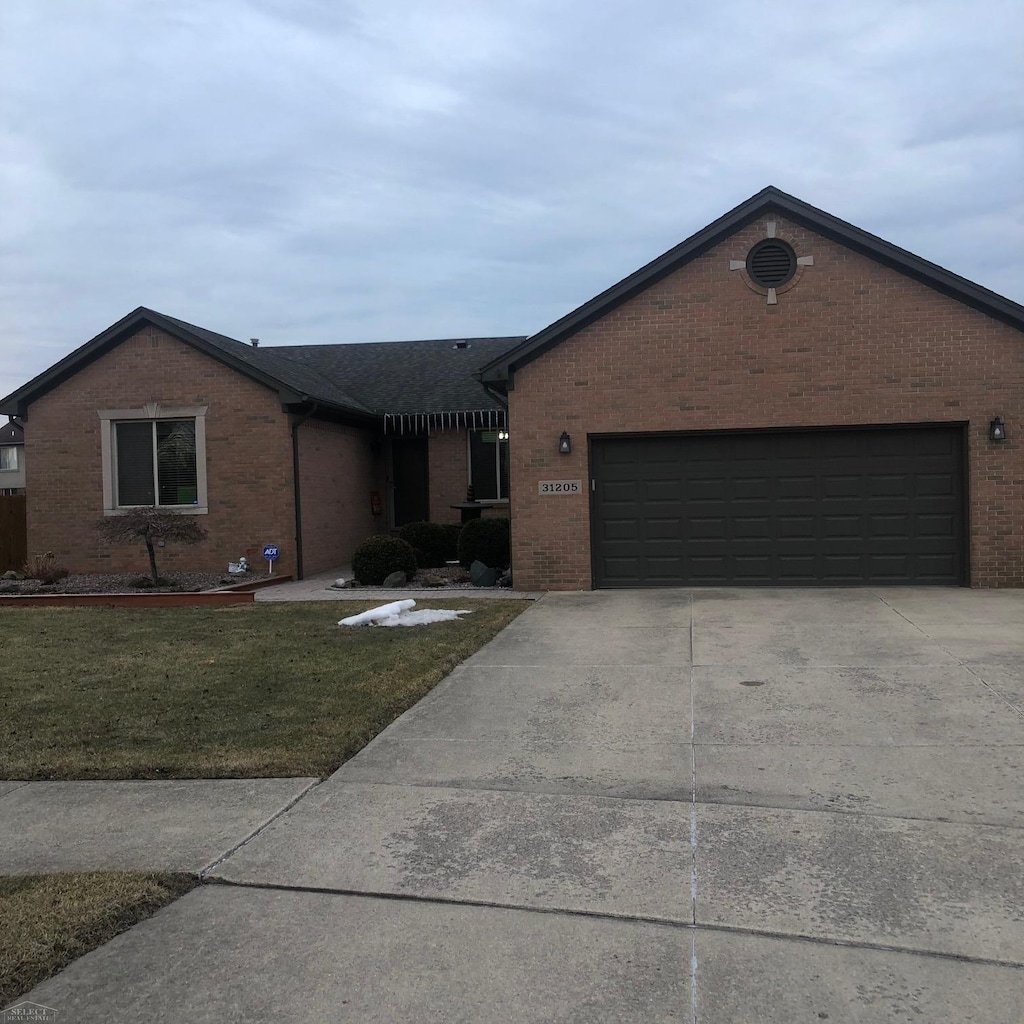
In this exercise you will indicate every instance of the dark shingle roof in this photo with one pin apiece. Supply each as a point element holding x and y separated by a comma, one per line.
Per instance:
<point>389,379</point>
<point>403,377</point>
<point>303,379</point>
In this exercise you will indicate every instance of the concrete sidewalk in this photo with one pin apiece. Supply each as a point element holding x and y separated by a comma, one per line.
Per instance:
<point>724,806</point>
<point>174,825</point>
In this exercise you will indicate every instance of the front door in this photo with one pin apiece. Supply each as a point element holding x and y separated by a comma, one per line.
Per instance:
<point>410,480</point>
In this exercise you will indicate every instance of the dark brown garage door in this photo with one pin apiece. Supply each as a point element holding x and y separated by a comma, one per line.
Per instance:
<point>808,508</point>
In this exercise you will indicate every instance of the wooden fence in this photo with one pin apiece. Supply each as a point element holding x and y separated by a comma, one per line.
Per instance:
<point>13,532</point>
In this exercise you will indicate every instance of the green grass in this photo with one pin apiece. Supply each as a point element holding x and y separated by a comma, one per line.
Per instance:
<point>239,691</point>
<point>49,920</point>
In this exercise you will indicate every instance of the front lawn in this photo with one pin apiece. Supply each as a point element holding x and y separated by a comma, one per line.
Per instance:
<point>239,691</point>
<point>49,920</point>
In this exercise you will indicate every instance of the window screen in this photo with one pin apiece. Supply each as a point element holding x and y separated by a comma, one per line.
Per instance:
<point>176,461</point>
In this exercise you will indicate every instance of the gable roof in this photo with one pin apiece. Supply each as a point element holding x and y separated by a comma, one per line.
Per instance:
<point>500,371</point>
<point>292,388</point>
<point>12,432</point>
<point>368,381</point>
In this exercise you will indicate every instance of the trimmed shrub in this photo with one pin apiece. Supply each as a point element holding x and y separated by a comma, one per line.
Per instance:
<point>485,540</point>
<point>451,540</point>
<point>429,541</point>
<point>379,556</point>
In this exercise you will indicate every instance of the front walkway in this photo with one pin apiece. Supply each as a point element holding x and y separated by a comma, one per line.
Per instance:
<point>318,588</point>
<point>722,806</point>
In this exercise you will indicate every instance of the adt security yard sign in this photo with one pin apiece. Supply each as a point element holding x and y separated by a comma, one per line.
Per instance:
<point>270,553</point>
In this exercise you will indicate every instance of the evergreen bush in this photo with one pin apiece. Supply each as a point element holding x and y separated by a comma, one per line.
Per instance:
<point>487,541</point>
<point>429,541</point>
<point>379,556</point>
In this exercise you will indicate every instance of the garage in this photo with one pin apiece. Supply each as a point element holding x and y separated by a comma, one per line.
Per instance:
<point>839,507</point>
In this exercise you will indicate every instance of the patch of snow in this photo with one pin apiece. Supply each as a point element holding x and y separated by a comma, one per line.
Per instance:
<point>374,614</point>
<point>422,617</point>
<point>400,613</point>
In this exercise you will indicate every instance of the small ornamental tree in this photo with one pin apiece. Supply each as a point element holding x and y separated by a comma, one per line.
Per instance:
<point>148,525</point>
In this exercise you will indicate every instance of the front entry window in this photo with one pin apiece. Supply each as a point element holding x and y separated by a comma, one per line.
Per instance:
<point>488,464</point>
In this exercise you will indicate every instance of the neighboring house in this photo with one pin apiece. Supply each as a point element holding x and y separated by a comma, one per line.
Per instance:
<point>12,458</point>
<point>782,399</point>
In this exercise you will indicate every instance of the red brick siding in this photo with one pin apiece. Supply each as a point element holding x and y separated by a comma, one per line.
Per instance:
<point>448,452</point>
<point>850,342</point>
<point>338,468</point>
<point>248,457</point>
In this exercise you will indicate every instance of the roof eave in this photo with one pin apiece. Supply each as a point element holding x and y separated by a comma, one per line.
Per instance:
<point>17,402</point>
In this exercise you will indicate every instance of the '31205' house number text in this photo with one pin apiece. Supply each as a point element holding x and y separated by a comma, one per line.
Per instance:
<point>559,486</point>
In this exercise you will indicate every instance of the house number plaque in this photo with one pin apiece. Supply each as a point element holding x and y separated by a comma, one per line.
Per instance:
<point>559,486</point>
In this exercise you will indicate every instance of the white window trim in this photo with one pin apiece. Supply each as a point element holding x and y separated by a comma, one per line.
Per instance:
<point>153,411</point>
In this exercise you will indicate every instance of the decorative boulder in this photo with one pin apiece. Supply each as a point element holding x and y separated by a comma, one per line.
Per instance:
<point>482,575</point>
<point>11,574</point>
<point>395,579</point>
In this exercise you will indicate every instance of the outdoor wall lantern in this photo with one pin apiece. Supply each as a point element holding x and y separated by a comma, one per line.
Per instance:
<point>996,430</point>
<point>564,444</point>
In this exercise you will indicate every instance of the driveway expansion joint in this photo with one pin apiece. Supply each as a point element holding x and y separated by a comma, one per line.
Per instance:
<point>202,874</point>
<point>661,922</point>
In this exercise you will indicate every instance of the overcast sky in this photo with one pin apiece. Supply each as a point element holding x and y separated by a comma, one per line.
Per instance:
<point>338,171</point>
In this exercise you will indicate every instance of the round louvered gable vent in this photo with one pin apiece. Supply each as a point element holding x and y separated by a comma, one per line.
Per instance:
<point>771,263</point>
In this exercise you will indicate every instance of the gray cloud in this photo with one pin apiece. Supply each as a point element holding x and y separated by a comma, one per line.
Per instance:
<point>311,171</point>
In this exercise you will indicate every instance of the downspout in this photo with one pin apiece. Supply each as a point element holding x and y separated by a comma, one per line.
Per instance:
<point>298,490</point>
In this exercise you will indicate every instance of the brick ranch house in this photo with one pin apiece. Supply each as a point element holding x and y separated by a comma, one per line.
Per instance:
<point>782,399</point>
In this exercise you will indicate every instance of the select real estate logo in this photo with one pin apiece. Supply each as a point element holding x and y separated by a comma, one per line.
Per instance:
<point>26,1011</point>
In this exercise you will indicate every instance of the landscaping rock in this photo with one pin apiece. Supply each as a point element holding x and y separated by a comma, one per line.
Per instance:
<point>341,583</point>
<point>482,575</point>
<point>396,579</point>
<point>11,574</point>
<point>9,588</point>
<point>505,579</point>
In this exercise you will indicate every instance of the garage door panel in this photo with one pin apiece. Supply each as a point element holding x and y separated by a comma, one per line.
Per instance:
<point>837,486</point>
<point>935,566</point>
<point>752,528</point>
<point>826,507</point>
<point>892,567</point>
<point>934,485</point>
<point>706,489</point>
<point>620,529</point>
<point>939,525</point>
<point>895,526</point>
<point>797,527</point>
<point>751,488</point>
<point>796,488</point>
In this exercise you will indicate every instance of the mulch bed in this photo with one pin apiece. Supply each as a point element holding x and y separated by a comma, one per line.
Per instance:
<point>449,577</point>
<point>127,583</point>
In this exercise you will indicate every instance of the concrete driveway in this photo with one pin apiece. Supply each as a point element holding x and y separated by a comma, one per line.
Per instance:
<point>721,806</point>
